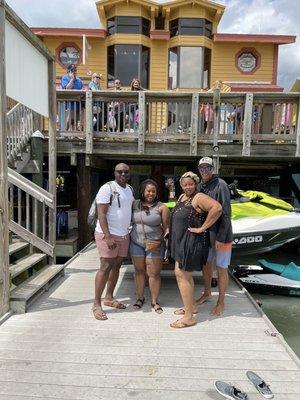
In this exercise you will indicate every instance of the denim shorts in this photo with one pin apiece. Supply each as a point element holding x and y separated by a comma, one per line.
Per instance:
<point>139,251</point>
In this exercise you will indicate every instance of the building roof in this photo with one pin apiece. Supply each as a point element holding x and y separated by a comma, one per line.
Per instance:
<point>258,38</point>
<point>296,86</point>
<point>41,31</point>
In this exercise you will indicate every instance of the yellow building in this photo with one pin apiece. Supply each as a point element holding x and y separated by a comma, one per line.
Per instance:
<point>175,45</point>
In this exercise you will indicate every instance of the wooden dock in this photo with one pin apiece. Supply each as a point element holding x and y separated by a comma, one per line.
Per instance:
<point>59,351</point>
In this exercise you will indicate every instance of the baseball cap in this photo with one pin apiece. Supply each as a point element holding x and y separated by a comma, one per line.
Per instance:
<point>206,160</point>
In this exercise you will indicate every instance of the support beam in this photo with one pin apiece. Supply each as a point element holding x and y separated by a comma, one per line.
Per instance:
<point>52,153</point>
<point>84,193</point>
<point>89,121</point>
<point>195,124</point>
<point>142,123</point>
<point>247,126</point>
<point>216,109</point>
<point>4,236</point>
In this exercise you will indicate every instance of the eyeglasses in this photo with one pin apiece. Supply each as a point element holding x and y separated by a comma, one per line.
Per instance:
<point>122,171</point>
<point>204,170</point>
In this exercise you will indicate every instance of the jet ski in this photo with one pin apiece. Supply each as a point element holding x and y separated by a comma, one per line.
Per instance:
<point>283,279</point>
<point>260,222</point>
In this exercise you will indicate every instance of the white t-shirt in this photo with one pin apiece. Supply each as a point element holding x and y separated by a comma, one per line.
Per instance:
<point>118,218</point>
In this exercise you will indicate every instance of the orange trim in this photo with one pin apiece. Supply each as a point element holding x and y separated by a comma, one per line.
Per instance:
<point>255,53</point>
<point>234,37</point>
<point>160,34</point>
<point>275,64</point>
<point>67,44</point>
<point>101,33</point>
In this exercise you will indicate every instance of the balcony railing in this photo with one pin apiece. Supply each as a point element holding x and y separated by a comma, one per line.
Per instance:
<point>244,118</point>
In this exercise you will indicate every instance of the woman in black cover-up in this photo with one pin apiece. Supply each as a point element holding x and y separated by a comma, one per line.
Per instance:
<point>193,214</point>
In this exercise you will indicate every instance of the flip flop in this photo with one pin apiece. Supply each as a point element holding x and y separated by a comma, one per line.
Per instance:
<point>115,304</point>
<point>98,313</point>
<point>181,311</point>
<point>139,303</point>
<point>157,308</point>
<point>180,324</point>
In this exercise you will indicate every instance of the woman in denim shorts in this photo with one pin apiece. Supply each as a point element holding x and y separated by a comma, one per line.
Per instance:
<point>150,224</point>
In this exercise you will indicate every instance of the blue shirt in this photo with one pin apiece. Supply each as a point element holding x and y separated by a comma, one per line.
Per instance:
<point>77,84</point>
<point>94,86</point>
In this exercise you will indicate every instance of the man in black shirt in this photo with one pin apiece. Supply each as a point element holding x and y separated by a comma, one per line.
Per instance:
<point>220,234</point>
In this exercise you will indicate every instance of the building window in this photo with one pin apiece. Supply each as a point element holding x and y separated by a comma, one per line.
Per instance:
<point>189,67</point>
<point>128,61</point>
<point>191,26</point>
<point>159,22</point>
<point>137,25</point>
<point>67,54</point>
<point>247,60</point>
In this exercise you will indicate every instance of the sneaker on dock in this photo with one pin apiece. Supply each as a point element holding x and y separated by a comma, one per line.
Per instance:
<point>260,385</point>
<point>229,391</point>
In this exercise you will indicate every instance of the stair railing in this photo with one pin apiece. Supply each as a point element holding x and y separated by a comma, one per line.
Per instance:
<point>30,218</point>
<point>20,130</point>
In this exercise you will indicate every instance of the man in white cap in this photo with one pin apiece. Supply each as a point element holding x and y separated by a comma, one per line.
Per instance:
<point>220,234</point>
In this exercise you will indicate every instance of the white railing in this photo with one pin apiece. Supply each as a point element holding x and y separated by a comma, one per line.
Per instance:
<point>30,218</point>
<point>20,130</point>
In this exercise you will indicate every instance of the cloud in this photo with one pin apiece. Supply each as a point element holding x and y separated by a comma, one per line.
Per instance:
<point>241,16</point>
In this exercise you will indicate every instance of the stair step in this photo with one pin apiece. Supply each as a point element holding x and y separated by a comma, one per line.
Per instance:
<point>23,295</point>
<point>17,246</point>
<point>25,263</point>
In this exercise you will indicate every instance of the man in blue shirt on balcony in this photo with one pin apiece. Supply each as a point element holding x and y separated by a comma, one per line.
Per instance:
<point>70,80</point>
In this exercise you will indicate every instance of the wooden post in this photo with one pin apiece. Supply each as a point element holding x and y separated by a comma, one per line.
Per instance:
<point>194,124</point>
<point>247,125</point>
<point>37,155</point>
<point>298,132</point>
<point>216,108</point>
<point>142,123</point>
<point>4,233</point>
<point>84,197</point>
<point>89,121</point>
<point>52,153</point>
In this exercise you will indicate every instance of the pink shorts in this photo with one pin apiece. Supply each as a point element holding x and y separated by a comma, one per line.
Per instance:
<point>120,251</point>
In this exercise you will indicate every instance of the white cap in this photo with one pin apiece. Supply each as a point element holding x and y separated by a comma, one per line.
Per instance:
<point>206,160</point>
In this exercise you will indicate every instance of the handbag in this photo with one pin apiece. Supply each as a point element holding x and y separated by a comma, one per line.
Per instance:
<point>150,245</point>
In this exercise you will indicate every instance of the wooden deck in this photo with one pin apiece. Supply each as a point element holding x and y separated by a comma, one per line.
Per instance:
<point>59,351</point>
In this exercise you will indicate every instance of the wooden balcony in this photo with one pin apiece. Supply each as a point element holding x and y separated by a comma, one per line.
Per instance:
<point>181,125</point>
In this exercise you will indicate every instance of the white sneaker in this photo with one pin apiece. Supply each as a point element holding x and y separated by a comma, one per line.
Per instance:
<point>229,391</point>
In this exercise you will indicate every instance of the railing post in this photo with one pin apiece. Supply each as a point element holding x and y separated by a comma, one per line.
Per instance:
<point>4,236</point>
<point>298,132</point>
<point>89,121</point>
<point>142,123</point>
<point>52,146</point>
<point>247,125</point>
<point>194,124</point>
<point>216,108</point>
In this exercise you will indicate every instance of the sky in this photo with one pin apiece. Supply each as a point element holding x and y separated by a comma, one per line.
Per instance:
<point>241,16</point>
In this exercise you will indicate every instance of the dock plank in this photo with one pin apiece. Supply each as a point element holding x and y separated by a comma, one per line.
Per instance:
<point>59,351</point>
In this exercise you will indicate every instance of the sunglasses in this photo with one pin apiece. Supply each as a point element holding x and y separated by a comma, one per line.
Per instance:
<point>206,169</point>
<point>98,77</point>
<point>122,171</point>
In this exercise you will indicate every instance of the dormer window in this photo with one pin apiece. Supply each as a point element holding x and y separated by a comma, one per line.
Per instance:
<point>191,27</point>
<point>159,22</point>
<point>135,25</point>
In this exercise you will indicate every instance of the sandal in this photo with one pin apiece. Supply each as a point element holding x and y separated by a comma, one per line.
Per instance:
<point>114,304</point>
<point>157,308</point>
<point>99,313</point>
<point>139,303</point>
<point>181,324</point>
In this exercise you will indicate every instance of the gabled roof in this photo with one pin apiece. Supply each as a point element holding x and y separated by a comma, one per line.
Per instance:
<point>258,38</point>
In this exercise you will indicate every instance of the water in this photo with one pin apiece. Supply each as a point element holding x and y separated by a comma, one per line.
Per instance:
<point>283,311</point>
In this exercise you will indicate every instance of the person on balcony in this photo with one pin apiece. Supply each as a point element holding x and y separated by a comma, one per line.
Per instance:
<point>150,225</point>
<point>114,204</point>
<point>99,108</point>
<point>74,116</point>
<point>220,234</point>
<point>116,111</point>
<point>134,117</point>
<point>193,214</point>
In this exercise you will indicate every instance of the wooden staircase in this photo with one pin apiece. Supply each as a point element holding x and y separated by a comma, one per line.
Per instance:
<point>30,274</point>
